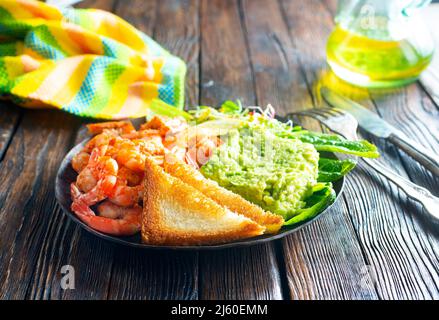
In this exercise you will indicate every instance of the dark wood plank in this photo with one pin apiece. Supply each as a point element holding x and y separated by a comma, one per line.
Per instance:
<point>9,118</point>
<point>330,5</point>
<point>72,246</point>
<point>412,111</point>
<point>107,5</point>
<point>309,24</point>
<point>324,260</point>
<point>102,270</point>
<point>225,66</point>
<point>415,113</point>
<point>156,274</point>
<point>92,258</point>
<point>401,252</point>
<point>248,273</point>
<point>398,247</point>
<point>27,203</point>
<point>40,238</point>
<point>179,32</point>
<point>141,14</point>
<point>139,274</point>
<point>277,72</point>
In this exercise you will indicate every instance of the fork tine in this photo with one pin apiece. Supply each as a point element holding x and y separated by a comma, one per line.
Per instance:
<point>324,112</point>
<point>337,120</point>
<point>334,112</point>
<point>343,114</point>
<point>311,113</point>
<point>338,111</point>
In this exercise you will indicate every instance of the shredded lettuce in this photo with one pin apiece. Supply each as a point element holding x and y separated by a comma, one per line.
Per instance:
<point>321,141</point>
<point>230,107</point>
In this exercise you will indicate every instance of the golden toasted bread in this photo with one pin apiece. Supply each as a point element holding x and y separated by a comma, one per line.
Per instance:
<point>174,213</point>
<point>222,196</point>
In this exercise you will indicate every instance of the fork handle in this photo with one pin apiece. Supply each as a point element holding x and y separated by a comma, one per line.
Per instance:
<point>424,156</point>
<point>413,191</point>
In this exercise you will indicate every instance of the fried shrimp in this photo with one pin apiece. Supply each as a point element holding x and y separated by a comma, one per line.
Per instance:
<point>111,170</point>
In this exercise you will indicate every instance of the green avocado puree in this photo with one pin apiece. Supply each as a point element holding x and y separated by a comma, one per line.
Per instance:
<point>275,173</point>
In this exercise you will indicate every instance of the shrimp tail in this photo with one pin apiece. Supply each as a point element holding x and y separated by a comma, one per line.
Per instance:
<point>127,225</point>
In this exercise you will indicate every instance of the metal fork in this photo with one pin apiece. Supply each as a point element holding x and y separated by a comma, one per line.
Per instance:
<point>346,125</point>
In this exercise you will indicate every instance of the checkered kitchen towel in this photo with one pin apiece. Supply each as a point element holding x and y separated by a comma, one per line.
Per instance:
<point>85,61</point>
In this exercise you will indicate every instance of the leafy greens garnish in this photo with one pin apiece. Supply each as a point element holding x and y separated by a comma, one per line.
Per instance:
<point>160,107</point>
<point>323,195</point>
<point>335,143</point>
<point>332,169</point>
<point>230,107</point>
<point>231,115</point>
<point>321,141</point>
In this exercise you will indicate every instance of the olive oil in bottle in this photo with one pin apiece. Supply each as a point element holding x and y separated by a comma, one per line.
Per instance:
<point>379,44</point>
<point>367,60</point>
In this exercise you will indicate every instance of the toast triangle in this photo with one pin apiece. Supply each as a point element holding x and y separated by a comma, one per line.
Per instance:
<point>174,213</point>
<point>234,202</point>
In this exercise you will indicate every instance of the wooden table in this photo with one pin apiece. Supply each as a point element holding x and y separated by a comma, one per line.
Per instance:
<point>372,245</point>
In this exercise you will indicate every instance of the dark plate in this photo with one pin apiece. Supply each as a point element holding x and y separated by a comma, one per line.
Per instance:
<point>66,175</point>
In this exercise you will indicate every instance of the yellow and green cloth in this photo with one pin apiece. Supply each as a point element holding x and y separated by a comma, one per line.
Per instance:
<point>87,62</point>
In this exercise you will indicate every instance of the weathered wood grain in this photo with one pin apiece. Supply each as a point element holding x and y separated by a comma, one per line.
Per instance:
<point>147,275</point>
<point>92,260</point>
<point>402,258</point>
<point>39,237</point>
<point>331,241</point>
<point>383,219</point>
<point>330,5</point>
<point>225,66</point>
<point>105,271</point>
<point>179,32</point>
<point>373,244</point>
<point>9,118</point>
<point>107,5</point>
<point>127,273</point>
<point>277,72</point>
<point>141,14</point>
<point>415,113</point>
<point>401,109</point>
<point>248,273</point>
<point>64,240</point>
<point>27,201</point>
<point>139,274</point>
<point>412,110</point>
